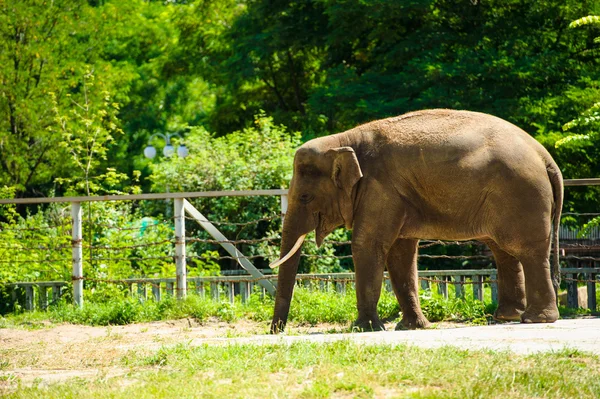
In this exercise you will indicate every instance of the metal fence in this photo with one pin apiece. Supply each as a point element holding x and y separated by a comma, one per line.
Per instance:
<point>41,293</point>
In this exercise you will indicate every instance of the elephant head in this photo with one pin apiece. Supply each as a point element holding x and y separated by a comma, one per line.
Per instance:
<point>320,199</point>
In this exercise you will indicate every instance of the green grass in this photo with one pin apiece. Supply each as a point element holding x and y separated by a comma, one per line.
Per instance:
<point>308,307</point>
<point>340,369</point>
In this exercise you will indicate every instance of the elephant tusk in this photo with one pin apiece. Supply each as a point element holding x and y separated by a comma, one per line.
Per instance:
<point>296,246</point>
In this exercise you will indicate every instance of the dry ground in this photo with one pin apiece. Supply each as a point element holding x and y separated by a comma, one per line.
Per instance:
<point>57,353</point>
<point>62,352</point>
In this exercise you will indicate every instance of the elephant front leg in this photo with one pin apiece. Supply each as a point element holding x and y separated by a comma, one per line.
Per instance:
<point>511,285</point>
<point>369,264</point>
<point>402,266</point>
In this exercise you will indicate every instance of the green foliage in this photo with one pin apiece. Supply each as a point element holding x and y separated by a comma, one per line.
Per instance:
<point>589,20</point>
<point>310,306</point>
<point>582,142</point>
<point>258,157</point>
<point>86,132</point>
<point>316,66</point>
<point>46,51</point>
<point>31,241</point>
<point>86,84</point>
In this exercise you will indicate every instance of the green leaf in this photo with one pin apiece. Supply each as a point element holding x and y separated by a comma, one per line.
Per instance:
<point>589,20</point>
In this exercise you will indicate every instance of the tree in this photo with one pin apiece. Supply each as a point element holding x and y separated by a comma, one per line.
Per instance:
<point>33,35</point>
<point>581,146</point>
<point>87,131</point>
<point>46,51</point>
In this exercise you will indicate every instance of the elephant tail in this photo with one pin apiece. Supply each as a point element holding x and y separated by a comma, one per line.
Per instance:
<point>557,189</point>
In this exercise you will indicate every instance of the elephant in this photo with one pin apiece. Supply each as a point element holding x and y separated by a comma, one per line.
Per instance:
<point>432,174</point>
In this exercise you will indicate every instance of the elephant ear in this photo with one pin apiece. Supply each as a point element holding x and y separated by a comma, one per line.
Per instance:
<point>345,171</point>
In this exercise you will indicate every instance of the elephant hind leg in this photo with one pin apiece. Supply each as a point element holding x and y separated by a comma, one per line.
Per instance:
<point>541,299</point>
<point>511,285</point>
<point>402,267</point>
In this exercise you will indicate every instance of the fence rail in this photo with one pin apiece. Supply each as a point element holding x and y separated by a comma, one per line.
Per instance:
<point>199,194</point>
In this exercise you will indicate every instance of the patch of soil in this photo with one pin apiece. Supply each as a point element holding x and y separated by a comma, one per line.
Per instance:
<point>60,352</point>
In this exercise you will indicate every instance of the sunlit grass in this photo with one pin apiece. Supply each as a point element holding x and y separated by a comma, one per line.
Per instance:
<point>309,306</point>
<point>340,369</point>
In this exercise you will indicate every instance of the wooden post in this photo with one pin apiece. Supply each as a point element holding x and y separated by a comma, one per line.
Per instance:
<point>591,291</point>
<point>56,293</point>
<point>156,291</point>
<point>494,286</point>
<point>231,289</point>
<point>214,291</point>
<point>459,289</point>
<point>284,206</point>
<point>424,285</point>
<point>200,288</point>
<point>76,243</point>
<point>142,290</point>
<point>442,287</point>
<point>29,297</point>
<point>180,249</point>
<point>43,292</point>
<point>388,285</point>
<point>478,288</point>
<point>170,288</point>
<point>572,294</point>
<point>245,291</point>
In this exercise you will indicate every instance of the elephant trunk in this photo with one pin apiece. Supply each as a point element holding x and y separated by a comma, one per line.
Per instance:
<point>287,277</point>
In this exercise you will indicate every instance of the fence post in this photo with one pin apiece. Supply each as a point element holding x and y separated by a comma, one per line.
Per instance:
<point>478,287</point>
<point>572,294</point>
<point>459,289</point>
<point>56,293</point>
<point>442,286</point>
<point>156,291</point>
<point>29,297</point>
<point>76,244</point>
<point>494,286</point>
<point>43,300</point>
<point>591,291</point>
<point>180,249</point>
<point>284,206</point>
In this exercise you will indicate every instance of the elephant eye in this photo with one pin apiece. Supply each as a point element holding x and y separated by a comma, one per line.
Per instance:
<point>306,198</point>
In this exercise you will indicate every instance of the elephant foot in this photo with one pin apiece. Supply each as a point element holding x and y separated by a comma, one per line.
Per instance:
<point>549,315</point>
<point>368,324</point>
<point>277,327</point>
<point>412,323</point>
<point>508,313</point>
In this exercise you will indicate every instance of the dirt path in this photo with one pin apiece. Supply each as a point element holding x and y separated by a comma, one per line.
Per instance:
<point>59,353</point>
<point>54,353</point>
<point>581,334</point>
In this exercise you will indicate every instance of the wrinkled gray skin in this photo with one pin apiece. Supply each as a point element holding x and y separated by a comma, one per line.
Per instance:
<point>435,174</point>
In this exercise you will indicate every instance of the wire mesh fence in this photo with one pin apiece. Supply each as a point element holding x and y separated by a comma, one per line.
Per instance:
<point>121,246</point>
